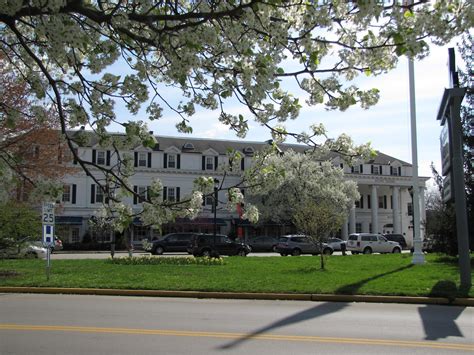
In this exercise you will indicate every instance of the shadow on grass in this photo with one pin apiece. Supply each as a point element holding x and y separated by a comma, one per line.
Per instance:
<point>353,288</point>
<point>314,312</point>
<point>439,321</point>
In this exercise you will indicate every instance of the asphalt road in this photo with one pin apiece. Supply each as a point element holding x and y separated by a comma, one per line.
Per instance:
<point>73,324</point>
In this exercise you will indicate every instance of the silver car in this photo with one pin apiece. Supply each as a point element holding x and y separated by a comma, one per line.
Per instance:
<point>28,250</point>
<point>300,244</point>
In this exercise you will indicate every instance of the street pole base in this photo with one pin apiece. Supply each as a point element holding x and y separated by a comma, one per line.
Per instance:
<point>418,258</point>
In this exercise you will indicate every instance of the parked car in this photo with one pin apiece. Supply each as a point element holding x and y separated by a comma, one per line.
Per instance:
<point>25,250</point>
<point>300,244</point>
<point>369,243</point>
<point>173,242</point>
<point>58,244</point>
<point>336,243</point>
<point>210,245</point>
<point>399,238</point>
<point>262,243</point>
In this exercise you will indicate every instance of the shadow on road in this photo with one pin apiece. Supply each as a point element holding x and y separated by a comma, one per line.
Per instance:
<point>317,311</point>
<point>314,312</point>
<point>441,324</point>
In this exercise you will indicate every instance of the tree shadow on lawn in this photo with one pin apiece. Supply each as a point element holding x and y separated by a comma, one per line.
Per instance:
<point>353,288</point>
<point>314,312</point>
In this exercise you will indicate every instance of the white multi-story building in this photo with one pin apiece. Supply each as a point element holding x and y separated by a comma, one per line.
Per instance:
<point>384,184</point>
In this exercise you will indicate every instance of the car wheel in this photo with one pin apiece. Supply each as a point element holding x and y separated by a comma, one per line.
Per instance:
<point>283,254</point>
<point>396,251</point>
<point>207,253</point>
<point>274,248</point>
<point>31,255</point>
<point>354,252</point>
<point>159,250</point>
<point>296,252</point>
<point>241,252</point>
<point>327,251</point>
<point>367,251</point>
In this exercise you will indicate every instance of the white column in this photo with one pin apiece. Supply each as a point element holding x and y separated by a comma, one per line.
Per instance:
<point>352,220</point>
<point>397,227</point>
<point>422,212</point>
<point>374,202</point>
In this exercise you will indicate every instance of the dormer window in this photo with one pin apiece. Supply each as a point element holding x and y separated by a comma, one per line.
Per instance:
<point>172,161</point>
<point>188,146</point>
<point>357,169</point>
<point>396,171</point>
<point>249,151</point>
<point>209,162</point>
<point>376,169</point>
<point>143,159</point>
<point>101,157</point>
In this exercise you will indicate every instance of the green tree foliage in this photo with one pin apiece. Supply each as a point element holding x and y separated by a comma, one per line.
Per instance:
<point>18,223</point>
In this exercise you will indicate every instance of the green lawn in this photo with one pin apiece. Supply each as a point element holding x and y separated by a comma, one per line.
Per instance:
<point>391,274</point>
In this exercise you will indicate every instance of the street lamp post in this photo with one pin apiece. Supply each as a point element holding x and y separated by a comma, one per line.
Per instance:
<point>216,190</point>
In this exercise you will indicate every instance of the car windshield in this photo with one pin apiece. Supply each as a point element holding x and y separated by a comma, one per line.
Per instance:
<point>283,239</point>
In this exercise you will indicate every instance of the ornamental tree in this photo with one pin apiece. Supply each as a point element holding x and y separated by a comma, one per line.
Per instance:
<point>302,189</point>
<point>86,57</point>
<point>33,154</point>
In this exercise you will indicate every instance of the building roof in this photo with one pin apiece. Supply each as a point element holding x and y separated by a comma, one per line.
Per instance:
<point>221,146</point>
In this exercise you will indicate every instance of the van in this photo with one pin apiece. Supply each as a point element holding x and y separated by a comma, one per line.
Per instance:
<point>368,243</point>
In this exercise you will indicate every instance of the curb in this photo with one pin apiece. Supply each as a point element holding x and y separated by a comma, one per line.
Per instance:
<point>467,302</point>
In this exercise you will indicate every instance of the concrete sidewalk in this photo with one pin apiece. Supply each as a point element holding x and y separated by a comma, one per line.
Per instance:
<point>467,302</point>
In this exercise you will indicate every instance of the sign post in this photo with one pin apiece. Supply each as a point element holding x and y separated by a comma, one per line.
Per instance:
<point>47,220</point>
<point>453,171</point>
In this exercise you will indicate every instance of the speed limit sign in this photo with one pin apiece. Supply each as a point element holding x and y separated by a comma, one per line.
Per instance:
<point>48,213</point>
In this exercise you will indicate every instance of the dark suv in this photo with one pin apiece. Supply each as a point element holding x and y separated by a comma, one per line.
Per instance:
<point>210,245</point>
<point>173,242</point>
<point>400,239</point>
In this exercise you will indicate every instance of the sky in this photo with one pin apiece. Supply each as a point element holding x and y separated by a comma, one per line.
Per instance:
<point>386,125</point>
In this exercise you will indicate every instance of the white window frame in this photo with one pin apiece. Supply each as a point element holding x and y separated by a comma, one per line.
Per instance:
<point>101,158</point>
<point>99,194</point>
<point>171,194</point>
<point>172,161</point>
<point>67,192</point>
<point>209,162</point>
<point>142,159</point>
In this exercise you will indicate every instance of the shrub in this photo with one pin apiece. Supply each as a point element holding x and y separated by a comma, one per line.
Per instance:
<point>151,260</point>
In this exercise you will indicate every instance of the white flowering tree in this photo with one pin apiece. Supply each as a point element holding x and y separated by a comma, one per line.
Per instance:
<point>301,189</point>
<point>88,56</point>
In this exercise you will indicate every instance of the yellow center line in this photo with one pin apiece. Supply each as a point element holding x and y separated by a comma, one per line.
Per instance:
<point>297,338</point>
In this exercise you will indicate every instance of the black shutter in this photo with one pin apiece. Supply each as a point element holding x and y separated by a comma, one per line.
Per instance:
<point>361,168</point>
<point>216,196</point>
<point>135,159</point>
<point>178,190</point>
<point>178,163</point>
<point>74,188</point>
<point>149,159</point>
<point>215,162</point>
<point>385,201</point>
<point>94,156</point>
<point>391,170</point>
<point>371,169</point>
<point>391,202</point>
<point>368,202</point>
<point>242,164</point>
<point>135,198</point>
<point>203,163</point>
<point>362,201</point>
<point>108,158</point>
<point>399,171</point>
<point>165,161</point>
<point>352,169</point>
<point>92,193</point>
<point>76,153</point>
<point>165,193</point>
